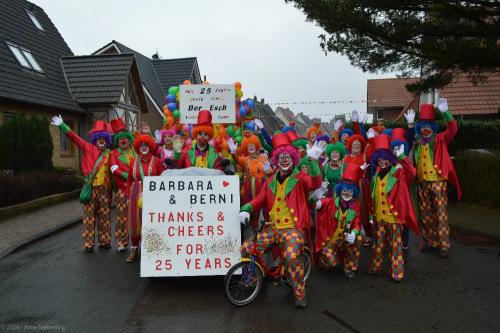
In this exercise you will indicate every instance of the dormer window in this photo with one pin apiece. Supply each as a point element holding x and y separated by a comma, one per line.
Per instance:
<point>35,20</point>
<point>25,58</point>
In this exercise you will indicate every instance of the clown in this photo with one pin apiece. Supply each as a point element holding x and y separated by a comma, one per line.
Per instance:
<point>256,169</point>
<point>312,133</point>
<point>338,224</point>
<point>165,140</point>
<point>344,135</point>
<point>119,162</point>
<point>145,164</point>
<point>201,154</point>
<point>332,169</point>
<point>285,197</point>
<point>95,166</point>
<point>434,170</point>
<point>392,207</point>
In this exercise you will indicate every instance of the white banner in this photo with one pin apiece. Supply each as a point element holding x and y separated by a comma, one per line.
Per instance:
<point>219,99</point>
<point>190,225</point>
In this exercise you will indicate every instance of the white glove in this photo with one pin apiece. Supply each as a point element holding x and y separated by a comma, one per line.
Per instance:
<point>113,168</point>
<point>259,124</point>
<point>370,134</point>
<point>364,166</point>
<point>177,144</point>
<point>371,220</point>
<point>410,116</point>
<point>400,150</point>
<point>244,217</point>
<point>158,136</point>
<point>354,116</point>
<point>57,120</point>
<point>350,237</point>
<point>267,167</point>
<point>442,105</point>
<point>319,193</point>
<point>232,146</point>
<point>363,118</point>
<point>325,184</point>
<point>318,205</point>
<point>337,125</point>
<point>316,150</point>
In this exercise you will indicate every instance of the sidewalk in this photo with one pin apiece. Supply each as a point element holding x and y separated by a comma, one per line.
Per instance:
<point>22,229</point>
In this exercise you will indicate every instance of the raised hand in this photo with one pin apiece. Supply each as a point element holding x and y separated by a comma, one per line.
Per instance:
<point>410,116</point>
<point>259,124</point>
<point>370,134</point>
<point>244,217</point>
<point>350,237</point>
<point>442,105</point>
<point>57,120</point>
<point>355,116</point>
<point>316,150</point>
<point>232,145</point>
<point>177,144</point>
<point>400,150</point>
<point>338,124</point>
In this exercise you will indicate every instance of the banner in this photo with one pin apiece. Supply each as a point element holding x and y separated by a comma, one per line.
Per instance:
<point>190,225</point>
<point>219,99</point>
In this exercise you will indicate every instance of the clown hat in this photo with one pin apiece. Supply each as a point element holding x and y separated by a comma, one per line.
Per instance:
<point>117,125</point>
<point>281,140</point>
<point>204,124</point>
<point>99,126</point>
<point>427,112</point>
<point>352,173</point>
<point>383,142</point>
<point>399,134</point>
<point>292,135</point>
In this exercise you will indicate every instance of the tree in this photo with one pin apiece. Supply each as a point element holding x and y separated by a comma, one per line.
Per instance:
<point>436,38</point>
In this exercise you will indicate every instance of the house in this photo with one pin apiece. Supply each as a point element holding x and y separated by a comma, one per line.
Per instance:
<point>387,99</point>
<point>39,75</point>
<point>265,113</point>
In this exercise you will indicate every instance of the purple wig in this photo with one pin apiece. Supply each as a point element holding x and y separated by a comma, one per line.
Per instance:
<point>292,151</point>
<point>348,186</point>
<point>101,135</point>
<point>381,154</point>
<point>323,137</point>
<point>420,124</point>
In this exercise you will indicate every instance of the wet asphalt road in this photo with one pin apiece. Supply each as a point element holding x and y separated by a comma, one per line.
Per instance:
<point>51,282</point>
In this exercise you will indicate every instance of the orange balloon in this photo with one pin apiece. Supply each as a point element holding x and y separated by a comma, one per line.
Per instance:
<point>169,120</point>
<point>165,108</point>
<point>237,85</point>
<point>186,82</point>
<point>222,132</point>
<point>224,145</point>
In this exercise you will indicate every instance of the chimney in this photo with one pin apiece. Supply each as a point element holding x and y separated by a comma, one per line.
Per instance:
<point>262,101</point>
<point>155,56</point>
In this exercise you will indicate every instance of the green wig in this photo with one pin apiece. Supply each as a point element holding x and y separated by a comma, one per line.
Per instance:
<point>302,142</point>
<point>339,146</point>
<point>122,134</point>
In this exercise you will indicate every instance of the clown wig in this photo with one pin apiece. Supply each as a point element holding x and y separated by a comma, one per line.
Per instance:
<point>147,139</point>
<point>292,151</point>
<point>315,128</point>
<point>381,154</point>
<point>209,129</point>
<point>348,186</point>
<point>353,138</point>
<point>101,135</point>
<point>420,124</point>
<point>397,143</point>
<point>347,131</point>
<point>303,161</point>
<point>323,137</point>
<point>335,147</point>
<point>120,135</point>
<point>388,131</point>
<point>248,139</point>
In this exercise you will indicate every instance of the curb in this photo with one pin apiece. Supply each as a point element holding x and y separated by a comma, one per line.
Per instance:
<point>471,231</point>
<point>45,233</point>
<point>25,207</point>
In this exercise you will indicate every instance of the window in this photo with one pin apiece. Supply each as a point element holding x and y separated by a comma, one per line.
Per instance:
<point>67,147</point>
<point>25,58</point>
<point>380,114</point>
<point>35,20</point>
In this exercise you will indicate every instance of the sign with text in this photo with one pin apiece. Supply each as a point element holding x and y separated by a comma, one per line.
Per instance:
<point>219,99</point>
<point>190,225</point>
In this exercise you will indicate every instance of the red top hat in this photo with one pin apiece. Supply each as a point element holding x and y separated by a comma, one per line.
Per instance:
<point>99,126</point>
<point>117,125</point>
<point>352,173</point>
<point>383,141</point>
<point>204,118</point>
<point>292,136</point>
<point>280,140</point>
<point>399,134</point>
<point>427,112</point>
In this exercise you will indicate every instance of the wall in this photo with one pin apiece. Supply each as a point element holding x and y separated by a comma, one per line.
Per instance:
<point>153,117</point>
<point>60,159</point>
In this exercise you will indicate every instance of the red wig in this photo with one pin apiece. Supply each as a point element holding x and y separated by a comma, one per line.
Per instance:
<point>356,137</point>
<point>147,139</point>
<point>209,129</point>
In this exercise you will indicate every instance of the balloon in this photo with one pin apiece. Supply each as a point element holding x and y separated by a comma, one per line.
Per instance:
<point>222,132</point>
<point>165,108</point>
<point>243,111</point>
<point>251,103</point>
<point>173,90</point>
<point>239,139</point>
<point>224,145</point>
<point>171,98</point>
<point>186,82</point>
<point>186,128</point>
<point>176,114</point>
<point>169,120</point>
<point>172,106</point>
<point>230,130</point>
<point>250,125</point>
<point>217,141</point>
<point>211,142</point>
<point>167,113</point>
<point>237,85</point>
<point>237,132</point>
<point>188,142</point>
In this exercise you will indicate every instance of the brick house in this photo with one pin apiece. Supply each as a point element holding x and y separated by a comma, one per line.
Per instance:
<point>388,98</point>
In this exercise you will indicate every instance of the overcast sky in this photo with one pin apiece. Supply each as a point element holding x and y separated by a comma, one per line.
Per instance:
<point>265,44</point>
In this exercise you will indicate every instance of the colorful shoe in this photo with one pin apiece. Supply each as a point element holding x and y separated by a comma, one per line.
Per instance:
<point>122,248</point>
<point>301,303</point>
<point>348,273</point>
<point>133,256</point>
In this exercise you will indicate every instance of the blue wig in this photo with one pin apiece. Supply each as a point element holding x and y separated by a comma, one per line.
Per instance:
<point>101,135</point>
<point>420,124</point>
<point>348,186</point>
<point>388,131</point>
<point>381,154</point>
<point>398,143</point>
<point>347,131</point>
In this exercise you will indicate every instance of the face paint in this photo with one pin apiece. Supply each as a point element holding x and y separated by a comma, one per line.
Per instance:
<point>356,148</point>
<point>285,162</point>
<point>144,149</point>
<point>304,168</point>
<point>101,143</point>
<point>124,143</point>
<point>346,194</point>
<point>335,155</point>
<point>168,140</point>
<point>383,164</point>
<point>313,136</point>
<point>344,138</point>
<point>251,148</point>
<point>202,138</point>
<point>426,131</point>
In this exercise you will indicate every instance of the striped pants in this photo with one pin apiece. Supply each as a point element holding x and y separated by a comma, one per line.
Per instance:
<point>433,205</point>
<point>390,235</point>
<point>121,228</point>
<point>341,251</point>
<point>291,242</point>
<point>97,211</point>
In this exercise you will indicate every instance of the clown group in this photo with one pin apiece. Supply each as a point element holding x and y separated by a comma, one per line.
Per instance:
<point>355,188</point>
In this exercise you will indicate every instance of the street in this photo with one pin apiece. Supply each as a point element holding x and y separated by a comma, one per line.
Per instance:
<point>51,282</point>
